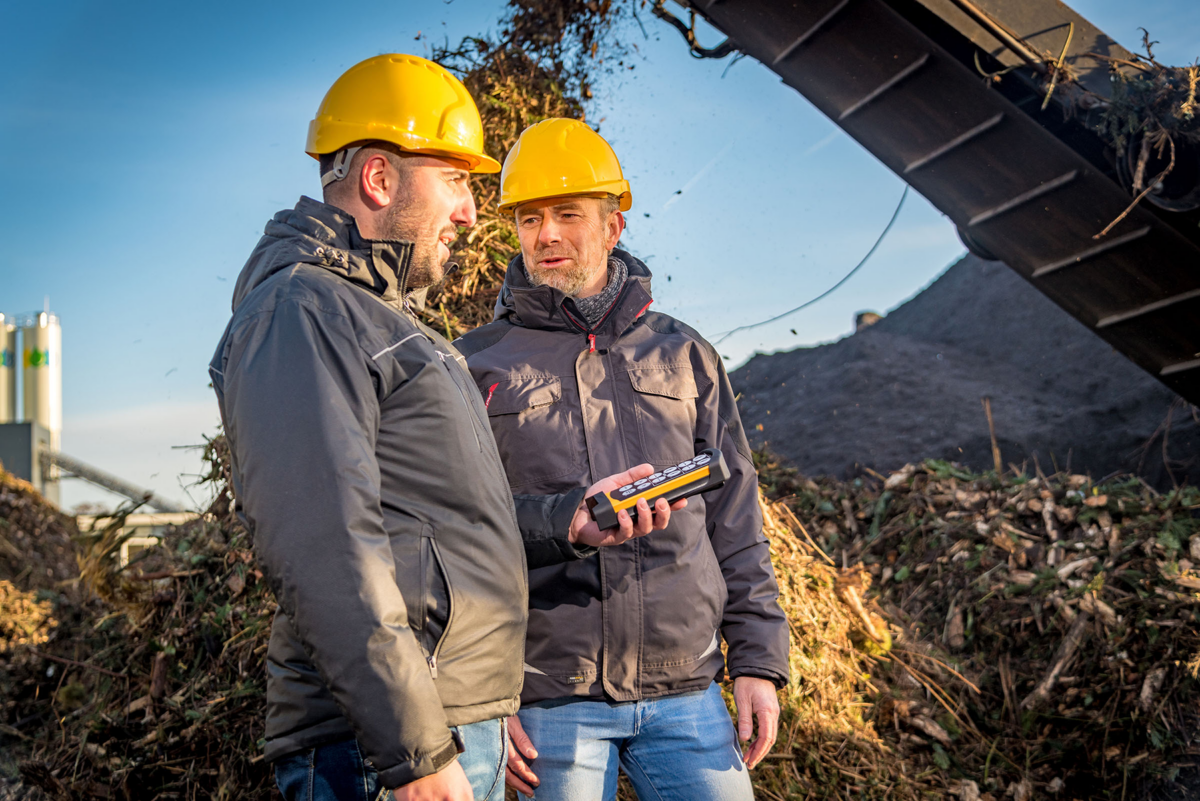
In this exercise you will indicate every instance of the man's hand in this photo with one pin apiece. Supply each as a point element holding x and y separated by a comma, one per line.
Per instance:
<point>518,775</point>
<point>448,784</point>
<point>756,698</point>
<point>584,530</point>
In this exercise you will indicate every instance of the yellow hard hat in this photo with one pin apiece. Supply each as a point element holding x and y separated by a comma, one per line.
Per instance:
<point>558,157</point>
<point>409,101</point>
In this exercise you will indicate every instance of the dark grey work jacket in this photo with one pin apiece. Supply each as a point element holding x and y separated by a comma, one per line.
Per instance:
<point>365,469</point>
<point>569,405</point>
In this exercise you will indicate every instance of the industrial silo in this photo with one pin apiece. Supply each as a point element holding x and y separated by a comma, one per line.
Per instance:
<point>41,343</point>
<point>8,371</point>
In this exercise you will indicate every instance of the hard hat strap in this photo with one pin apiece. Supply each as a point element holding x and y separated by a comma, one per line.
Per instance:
<point>341,165</point>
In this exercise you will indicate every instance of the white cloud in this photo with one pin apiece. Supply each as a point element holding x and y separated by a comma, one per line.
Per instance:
<point>140,444</point>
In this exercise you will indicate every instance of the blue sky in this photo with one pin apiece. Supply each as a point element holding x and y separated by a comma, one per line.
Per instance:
<point>147,143</point>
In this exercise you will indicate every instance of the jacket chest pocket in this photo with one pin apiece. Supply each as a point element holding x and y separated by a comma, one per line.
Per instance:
<point>665,407</point>
<point>538,432</point>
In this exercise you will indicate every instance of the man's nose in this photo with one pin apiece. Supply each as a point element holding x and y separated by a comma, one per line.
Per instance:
<point>549,233</point>
<point>465,214</point>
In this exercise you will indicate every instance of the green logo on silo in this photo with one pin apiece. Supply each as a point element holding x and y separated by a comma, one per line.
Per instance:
<point>37,358</point>
<point>8,358</point>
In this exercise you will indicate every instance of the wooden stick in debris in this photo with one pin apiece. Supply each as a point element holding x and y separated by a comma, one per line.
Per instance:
<point>1062,658</point>
<point>987,409</point>
<point>1144,192</point>
<point>796,521</point>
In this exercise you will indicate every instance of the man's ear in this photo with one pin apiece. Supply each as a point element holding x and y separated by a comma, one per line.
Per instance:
<point>615,227</point>
<point>376,182</point>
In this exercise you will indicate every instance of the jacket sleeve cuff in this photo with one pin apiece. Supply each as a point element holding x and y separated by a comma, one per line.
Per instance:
<point>419,766</point>
<point>545,522</point>
<point>779,680</point>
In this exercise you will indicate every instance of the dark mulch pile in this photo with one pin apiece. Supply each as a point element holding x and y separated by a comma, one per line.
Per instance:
<point>909,388</point>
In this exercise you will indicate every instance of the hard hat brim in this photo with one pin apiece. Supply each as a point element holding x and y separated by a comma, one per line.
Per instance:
<point>325,138</point>
<point>619,189</point>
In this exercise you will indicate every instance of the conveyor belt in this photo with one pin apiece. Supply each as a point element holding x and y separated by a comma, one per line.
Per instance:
<point>1013,186</point>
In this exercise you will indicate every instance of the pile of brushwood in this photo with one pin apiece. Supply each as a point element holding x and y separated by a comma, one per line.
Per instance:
<point>147,681</point>
<point>1013,636</point>
<point>1047,624</point>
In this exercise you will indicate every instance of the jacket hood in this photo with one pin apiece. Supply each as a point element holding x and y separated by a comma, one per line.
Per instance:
<point>325,236</point>
<point>544,307</point>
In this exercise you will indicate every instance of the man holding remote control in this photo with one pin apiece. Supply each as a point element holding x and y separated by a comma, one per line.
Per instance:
<point>581,380</point>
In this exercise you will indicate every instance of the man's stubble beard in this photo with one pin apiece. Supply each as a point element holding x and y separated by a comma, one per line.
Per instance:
<point>425,266</point>
<point>568,280</point>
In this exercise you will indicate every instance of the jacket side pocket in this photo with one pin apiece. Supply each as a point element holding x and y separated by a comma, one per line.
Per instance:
<point>435,593</point>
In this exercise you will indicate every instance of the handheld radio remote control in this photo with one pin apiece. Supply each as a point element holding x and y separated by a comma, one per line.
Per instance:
<point>703,472</point>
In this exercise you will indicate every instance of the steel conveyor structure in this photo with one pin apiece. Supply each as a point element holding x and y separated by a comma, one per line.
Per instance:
<point>94,475</point>
<point>1028,186</point>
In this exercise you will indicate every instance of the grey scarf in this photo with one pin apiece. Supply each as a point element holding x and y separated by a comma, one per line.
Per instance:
<point>594,307</point>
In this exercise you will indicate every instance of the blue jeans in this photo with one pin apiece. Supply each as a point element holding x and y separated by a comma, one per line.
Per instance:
<point>338,772</point>
<point>678,748</point>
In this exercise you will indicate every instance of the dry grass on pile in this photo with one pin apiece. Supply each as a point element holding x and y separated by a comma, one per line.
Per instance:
<point>828,746</point>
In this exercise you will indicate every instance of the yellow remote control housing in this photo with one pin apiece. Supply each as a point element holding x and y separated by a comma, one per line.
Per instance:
<point>703,472</point>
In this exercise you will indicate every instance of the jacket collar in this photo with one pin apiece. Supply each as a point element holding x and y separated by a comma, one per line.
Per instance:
<point>546,308</point>
<point>327,237</point>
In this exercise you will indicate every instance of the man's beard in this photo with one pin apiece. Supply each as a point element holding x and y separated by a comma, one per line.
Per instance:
<point>568,280</point>
<point>425,265</point>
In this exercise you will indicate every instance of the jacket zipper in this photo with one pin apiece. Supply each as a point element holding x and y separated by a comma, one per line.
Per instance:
<point>440,565</point>
<point>424,566</point>
<point>591,335</point>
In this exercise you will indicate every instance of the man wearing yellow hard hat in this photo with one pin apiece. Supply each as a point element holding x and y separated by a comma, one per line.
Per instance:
<point>366,472</point>
<point>623,655</point>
